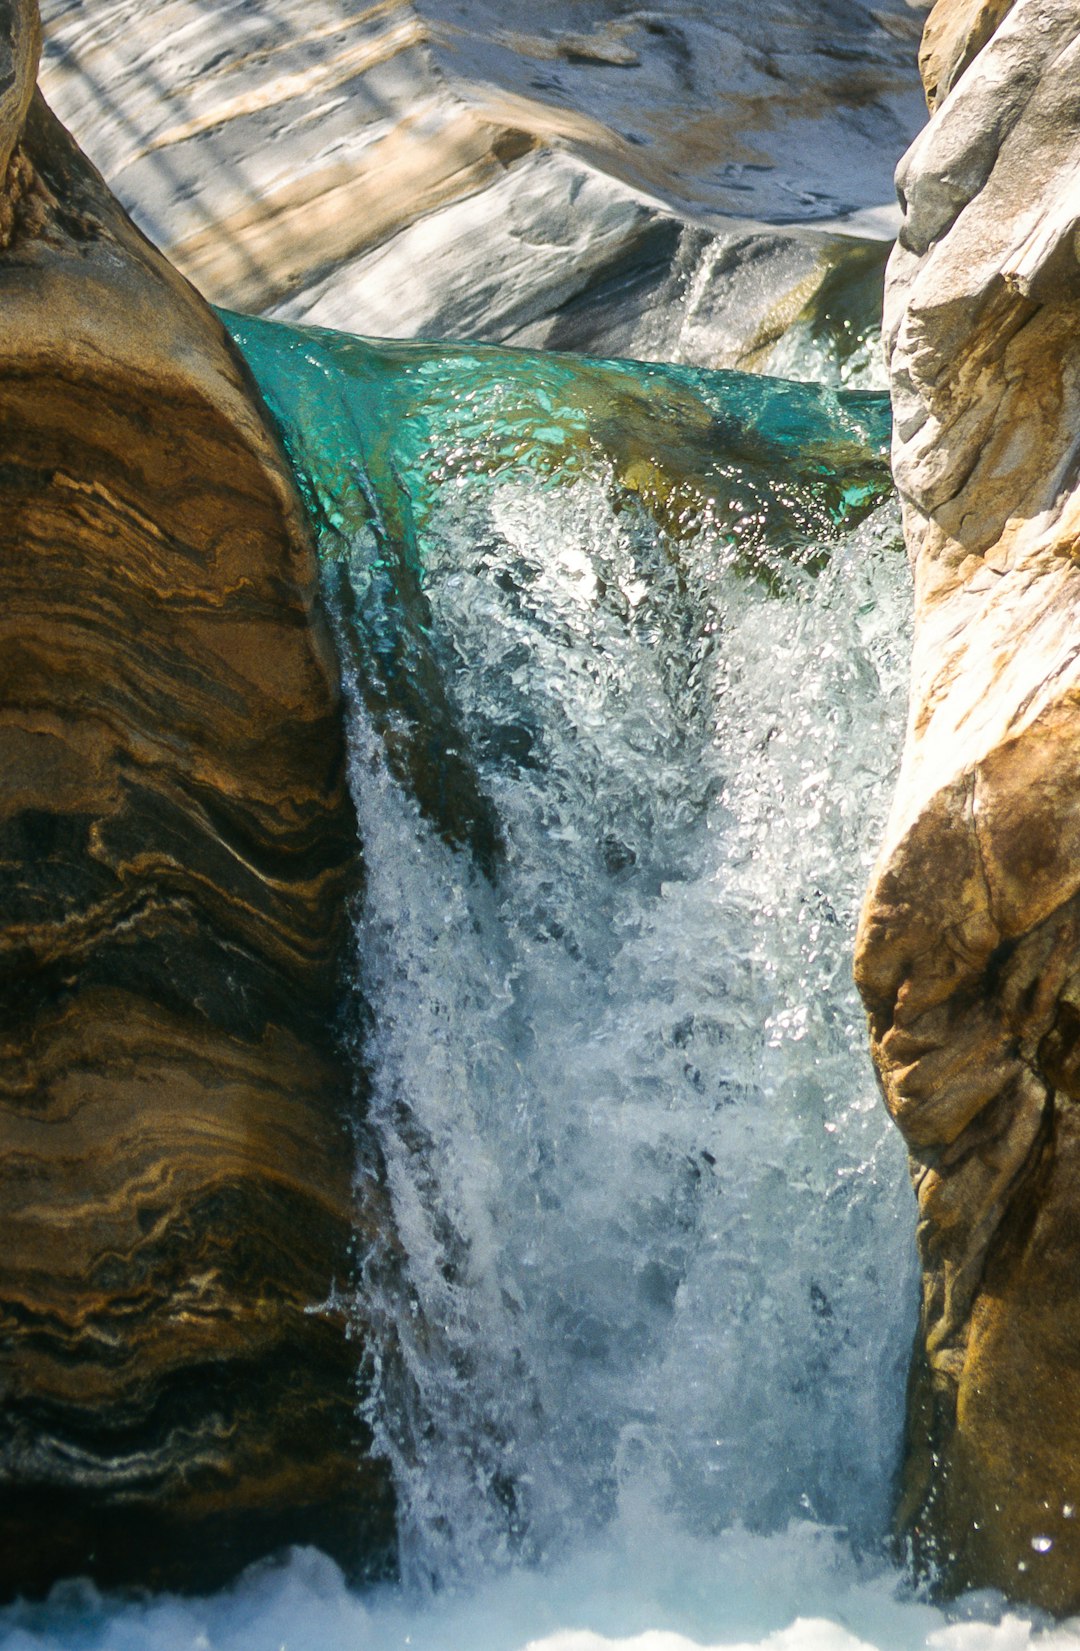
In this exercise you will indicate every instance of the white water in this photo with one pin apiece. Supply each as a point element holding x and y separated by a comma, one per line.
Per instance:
<point>642,1382</point>
<point>645,1588</point>
<point>658,1228</point>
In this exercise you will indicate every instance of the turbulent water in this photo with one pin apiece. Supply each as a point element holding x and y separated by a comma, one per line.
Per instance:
<point>625,654</point>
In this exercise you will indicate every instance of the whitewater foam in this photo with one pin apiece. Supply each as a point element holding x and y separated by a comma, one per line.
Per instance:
<point>642,1588</point>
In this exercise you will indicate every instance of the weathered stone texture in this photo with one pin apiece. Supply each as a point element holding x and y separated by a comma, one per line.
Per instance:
<point>969,951</point>
<point>956,32</point>
<point>175,850</point>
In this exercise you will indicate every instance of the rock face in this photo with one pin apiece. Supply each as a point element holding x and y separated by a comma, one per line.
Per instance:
<point>175,851</point>
<point>969,953</point>
<point>956,32</point>
<point>439,168</point>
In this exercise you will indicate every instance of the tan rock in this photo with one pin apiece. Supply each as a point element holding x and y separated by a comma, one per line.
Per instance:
<point>956,31</point>
<point>969,949</point>
<point>176,845</point>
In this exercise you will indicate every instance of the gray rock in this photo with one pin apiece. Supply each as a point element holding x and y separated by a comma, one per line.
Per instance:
<point>427,168</point>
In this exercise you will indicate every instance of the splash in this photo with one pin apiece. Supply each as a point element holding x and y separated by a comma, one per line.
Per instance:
<point>648,1200</point>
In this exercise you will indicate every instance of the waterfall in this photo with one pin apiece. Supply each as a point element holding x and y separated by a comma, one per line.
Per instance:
<point>624,651</point>
<point>656,1228</point>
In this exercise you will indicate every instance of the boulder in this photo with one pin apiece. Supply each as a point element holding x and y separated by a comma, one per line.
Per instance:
<point>956,32</point>
<point>176,852</point>
<point>969,946</point>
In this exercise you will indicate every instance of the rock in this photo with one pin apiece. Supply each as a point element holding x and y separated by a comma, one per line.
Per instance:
<point>426,169</point>
<point>599,47</point>
<point>176,845</point>
<point>969,948</point>
<point>956,32</point>
<point>625,280</point>
<point>20,49</point>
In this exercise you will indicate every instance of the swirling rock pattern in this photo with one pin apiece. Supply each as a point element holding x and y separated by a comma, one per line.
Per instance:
<point>449,168</point>
<point>175,849</point>
<point>969,953</point>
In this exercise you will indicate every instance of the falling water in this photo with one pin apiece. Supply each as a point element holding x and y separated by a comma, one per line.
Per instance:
<point>625,654</point>
<point>656,1227</point>
<point>658,1231</point>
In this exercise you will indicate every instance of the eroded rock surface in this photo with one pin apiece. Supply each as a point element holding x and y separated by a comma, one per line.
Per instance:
<point>956,32</point>
<point>178,1391</point>
<point>440,168</point>
<point>969,953</point>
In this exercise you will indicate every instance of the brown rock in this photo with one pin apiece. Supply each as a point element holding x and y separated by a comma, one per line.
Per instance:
<point>969,950</point>
<point>175,851</point>
<point>956,32</point>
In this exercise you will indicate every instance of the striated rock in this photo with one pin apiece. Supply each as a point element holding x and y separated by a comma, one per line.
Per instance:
<point>175,850</point>
<point>969,950</point>
<point>439,169</point>
<point>640,285</point>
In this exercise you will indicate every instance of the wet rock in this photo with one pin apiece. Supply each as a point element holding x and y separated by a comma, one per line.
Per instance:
<point>969,950</point>
<point>176,845</point>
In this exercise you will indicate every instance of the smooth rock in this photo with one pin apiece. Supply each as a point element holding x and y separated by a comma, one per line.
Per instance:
<point>20,50</point>
<point>626,281</point>
<point>436,169</point>
<point>176,851</point>
<point>969,948</point>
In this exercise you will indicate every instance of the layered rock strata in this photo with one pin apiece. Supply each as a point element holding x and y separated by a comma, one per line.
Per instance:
<point>434,168</point>
<point>969,951</point>
<point>177,1384</point>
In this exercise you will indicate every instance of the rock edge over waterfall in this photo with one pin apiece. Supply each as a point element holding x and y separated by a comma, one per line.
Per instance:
<point>969,952</point>
<point>176,841</point>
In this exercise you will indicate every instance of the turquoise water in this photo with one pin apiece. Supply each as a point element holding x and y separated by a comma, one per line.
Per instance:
<point>377,429</point>
<point>385,436</point>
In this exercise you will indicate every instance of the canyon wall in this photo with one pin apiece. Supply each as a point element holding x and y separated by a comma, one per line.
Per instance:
<point>969,951</point>
<point>176,852</point>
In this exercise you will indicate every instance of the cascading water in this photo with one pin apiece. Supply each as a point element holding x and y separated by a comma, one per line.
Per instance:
<point>646,1193</point>
<point>625,654</point>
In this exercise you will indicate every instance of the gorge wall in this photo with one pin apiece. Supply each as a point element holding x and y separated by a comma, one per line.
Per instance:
<point>176,845</point>
<point>969,952</point>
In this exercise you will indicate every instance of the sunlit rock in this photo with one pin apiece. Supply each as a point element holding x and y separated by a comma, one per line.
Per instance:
<point>969,958</point>
<point>175,841</point>
<point>440,169</point>
<point>956,31</point>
